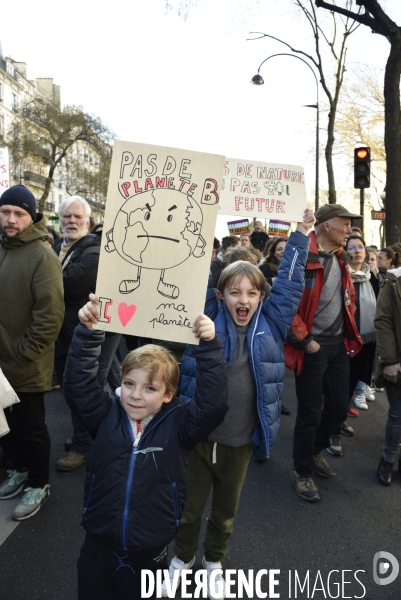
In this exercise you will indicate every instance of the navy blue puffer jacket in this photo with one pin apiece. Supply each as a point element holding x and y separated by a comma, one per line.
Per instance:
<point>266,335</point>
<point>134,496</point>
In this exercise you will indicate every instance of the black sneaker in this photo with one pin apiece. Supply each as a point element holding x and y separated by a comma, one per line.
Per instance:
<point>321,466</point>
<point>335,447</point>
<point>305,488</point>
<point>347,429</point>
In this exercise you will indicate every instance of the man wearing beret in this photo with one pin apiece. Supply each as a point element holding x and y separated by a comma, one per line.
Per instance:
<point>322,337</point>
<point>31,314</point>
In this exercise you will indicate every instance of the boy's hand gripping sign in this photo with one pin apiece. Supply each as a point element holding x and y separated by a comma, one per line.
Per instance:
<point>263,190</point>
<point>157,243</point>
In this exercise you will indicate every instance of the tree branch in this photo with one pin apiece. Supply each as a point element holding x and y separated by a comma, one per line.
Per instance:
<point>379,23</point>
<point>262,35</point>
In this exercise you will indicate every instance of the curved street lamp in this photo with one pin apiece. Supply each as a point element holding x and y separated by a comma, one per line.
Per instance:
<point>258,80</point>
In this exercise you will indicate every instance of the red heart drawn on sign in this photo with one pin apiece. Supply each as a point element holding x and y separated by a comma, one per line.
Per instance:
<point>126,312</point>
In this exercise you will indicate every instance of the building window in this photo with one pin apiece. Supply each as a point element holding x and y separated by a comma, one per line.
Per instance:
<point>1,92</point>
<point>24,108</point>
<point>1,125</point>
<point>10,69</point>
<point>14,102</point>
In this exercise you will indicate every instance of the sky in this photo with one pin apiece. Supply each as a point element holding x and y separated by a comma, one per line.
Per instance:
<point>156,78</point>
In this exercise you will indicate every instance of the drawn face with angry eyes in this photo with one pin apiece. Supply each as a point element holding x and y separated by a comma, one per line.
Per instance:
<point>157,229</point>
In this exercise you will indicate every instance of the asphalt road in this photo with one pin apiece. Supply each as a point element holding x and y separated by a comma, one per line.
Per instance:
<point>324,544</point>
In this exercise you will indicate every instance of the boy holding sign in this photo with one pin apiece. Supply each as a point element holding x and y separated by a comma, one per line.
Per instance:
<point>136,481</point>
<point>252,332</point>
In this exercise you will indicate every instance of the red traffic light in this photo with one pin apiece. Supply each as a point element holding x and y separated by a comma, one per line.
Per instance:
<point>362,153</point>
<point>362,168</point>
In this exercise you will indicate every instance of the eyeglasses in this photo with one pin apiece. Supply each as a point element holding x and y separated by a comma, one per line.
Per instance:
<point>353,248</point>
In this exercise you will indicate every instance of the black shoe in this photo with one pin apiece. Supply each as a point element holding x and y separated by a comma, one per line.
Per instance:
<point>384,471</point>
<point>347,429</point>
<point>284,410</point>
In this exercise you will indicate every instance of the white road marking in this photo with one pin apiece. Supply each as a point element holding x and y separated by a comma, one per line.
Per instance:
<point>7,525</point>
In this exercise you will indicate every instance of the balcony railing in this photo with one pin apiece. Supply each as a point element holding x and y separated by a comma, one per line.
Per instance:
<point>48,206</point>
<point>35,178</point>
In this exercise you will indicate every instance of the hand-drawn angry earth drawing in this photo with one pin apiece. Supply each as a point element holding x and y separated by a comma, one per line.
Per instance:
<point>157,229</point>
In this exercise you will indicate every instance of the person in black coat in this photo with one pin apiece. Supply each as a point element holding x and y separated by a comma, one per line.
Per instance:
<point>79,257</point>
<point>259,237</point>
<point>216,266</point>
<point>136,470</point>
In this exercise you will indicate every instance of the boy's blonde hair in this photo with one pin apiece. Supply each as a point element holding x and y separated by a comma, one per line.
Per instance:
<point>233,273</point>
<point>154,359</point>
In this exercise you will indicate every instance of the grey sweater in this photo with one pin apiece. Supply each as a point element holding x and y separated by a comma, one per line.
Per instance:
<point>328,324</point>
<point>240,421</point>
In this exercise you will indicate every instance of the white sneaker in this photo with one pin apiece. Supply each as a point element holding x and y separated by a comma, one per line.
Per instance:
<point>360,402</point>
<point>170,587</point>
<point>216,589</point>
<point>370,394</point>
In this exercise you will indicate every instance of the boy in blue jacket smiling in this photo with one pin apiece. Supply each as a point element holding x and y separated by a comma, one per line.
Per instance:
<point>252,331</point>
<point>136,480</point>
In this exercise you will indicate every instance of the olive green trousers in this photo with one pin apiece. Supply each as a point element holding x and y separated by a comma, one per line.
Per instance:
<point>222,468</point>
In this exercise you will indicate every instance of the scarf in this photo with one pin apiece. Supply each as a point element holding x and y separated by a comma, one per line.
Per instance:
<point>365,302</point>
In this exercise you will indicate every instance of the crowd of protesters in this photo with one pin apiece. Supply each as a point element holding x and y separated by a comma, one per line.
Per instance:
<point>320,302</point>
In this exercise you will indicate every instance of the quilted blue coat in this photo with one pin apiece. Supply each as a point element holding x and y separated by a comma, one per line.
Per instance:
<point>266,335</point>
<point>135,493</point>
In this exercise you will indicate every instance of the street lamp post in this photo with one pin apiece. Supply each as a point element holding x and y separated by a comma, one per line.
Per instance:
<point>258,80</point>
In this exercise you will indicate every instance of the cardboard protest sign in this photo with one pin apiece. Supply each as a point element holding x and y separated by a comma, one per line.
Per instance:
<point>4,170</point>
<point>158,233</point>
<point>238,227</point>
<point>263,190</point>
<point>279,228</point>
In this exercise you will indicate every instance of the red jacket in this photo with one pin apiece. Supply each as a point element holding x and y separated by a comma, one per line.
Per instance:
<point>300,333</point>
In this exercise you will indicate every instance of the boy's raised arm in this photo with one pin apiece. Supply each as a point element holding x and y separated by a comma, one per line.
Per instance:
<point>81,387</point>
<point>206,410</point>
<point>282,304</point>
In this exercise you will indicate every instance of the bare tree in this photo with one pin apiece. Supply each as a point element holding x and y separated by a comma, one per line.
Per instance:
<point>83,176</point>
<point>360,119</point>
<point>47,133</point>
<point>379,22</point>
<point>336,42</point>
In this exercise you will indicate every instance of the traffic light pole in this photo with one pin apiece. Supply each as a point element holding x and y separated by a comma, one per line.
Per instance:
<point>362,207</point>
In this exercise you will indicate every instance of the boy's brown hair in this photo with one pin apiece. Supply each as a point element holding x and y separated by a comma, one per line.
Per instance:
<point>154,359</point>
<point>236,254</point>
<point>236,271</point>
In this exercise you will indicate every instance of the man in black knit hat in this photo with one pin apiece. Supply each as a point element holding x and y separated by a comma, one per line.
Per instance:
<point>32,310</point>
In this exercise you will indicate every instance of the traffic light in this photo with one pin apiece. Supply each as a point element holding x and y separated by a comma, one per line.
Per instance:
<point>362,168</point>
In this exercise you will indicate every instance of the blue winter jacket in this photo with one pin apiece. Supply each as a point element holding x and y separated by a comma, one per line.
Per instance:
<point>266,335</point>
<point>135,495</point>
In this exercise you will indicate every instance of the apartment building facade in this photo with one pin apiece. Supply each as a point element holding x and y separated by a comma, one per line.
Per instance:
<point>16,92</point>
